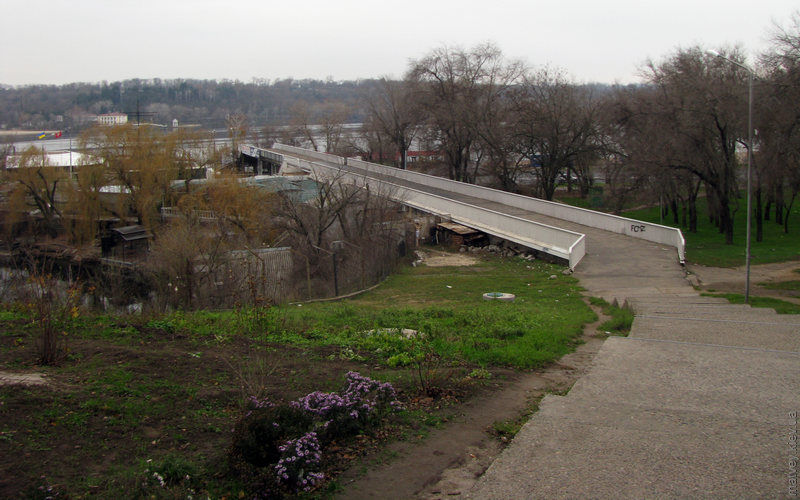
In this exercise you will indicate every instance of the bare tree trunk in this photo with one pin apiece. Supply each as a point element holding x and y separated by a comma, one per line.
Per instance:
<point>788,211</point>
<point>779,205</point>
<point>684,210</point>
<point>759,216</point>
<point>673,203</point>
<point>768,207</point>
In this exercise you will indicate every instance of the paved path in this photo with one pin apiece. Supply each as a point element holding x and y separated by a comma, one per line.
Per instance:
<point>699,401</point>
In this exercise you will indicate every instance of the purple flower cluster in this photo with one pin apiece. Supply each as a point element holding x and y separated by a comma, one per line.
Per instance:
<point>361,397</point>
<point>320,403</point>
<point>322,416</point>
<point>258,404</point>
<point>358,388</point>
<point>298,459</point>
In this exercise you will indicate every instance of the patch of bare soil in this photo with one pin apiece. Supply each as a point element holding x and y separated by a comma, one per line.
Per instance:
<point>450,459</point>
<point>732,280</point>
<point>112,405</point>
<point>11,378</point>
<point>435,258</point>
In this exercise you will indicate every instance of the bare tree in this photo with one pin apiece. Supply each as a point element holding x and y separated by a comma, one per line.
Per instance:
<point>36,186</point>
<point>342,224</point>
<point>373,144</point>
<point>395,113</point>
<point>238,129</point>
<point>692,120</point>
<point>556,125</point>
<point>301,125</point>
<point>458,88</point>
<point>779,123</point>
<point>332,118</point>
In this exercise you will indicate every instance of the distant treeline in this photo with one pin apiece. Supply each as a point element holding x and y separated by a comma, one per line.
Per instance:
<point>203,102</point>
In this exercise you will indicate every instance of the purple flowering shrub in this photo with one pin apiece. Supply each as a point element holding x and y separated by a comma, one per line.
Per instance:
<point>279,447</point>
<point>362,402</point>
<point>260,433</point>
<point>300,458</point>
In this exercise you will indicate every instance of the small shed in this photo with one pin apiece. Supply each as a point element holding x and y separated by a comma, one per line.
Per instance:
<point>457,235</point>
<point>126,242</point>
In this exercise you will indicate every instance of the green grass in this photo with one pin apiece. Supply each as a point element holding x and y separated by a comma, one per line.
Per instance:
<point>780,306</point>
<point>447,307</point>
<point>621,318</point>
<point>161,393</point>
<point>793,286</point>
<point>505,430</point>
<point>594,201</point>
<point>444,304</point>
<point>707,246</point>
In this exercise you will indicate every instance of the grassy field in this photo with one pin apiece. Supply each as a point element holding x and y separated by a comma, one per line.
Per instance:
<point>780,306</point>
<point>145,407</point>
<point>620,317</point>
<point>707,246</point>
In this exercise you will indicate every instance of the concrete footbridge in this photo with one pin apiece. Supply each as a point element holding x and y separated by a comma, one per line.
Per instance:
<point>554,228</point>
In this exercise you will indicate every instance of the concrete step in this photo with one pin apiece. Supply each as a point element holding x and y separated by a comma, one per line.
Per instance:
<point>765,332</point>
<point>715,310</point>
<point>680,421</point>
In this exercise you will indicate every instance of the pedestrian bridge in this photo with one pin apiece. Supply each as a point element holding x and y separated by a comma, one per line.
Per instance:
<point>527,221</point>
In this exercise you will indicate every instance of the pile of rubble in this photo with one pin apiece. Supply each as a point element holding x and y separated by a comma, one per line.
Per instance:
<point>498,250</point>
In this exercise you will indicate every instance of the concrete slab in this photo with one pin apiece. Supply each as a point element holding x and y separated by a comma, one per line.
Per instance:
<point>680,420</point>
<point>740,326</point>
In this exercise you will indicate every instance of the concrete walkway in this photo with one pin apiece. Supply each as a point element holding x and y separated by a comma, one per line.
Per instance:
<point>699,402</point>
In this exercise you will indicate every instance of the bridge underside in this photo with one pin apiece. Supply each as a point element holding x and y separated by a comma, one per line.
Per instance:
<point>259,161</point>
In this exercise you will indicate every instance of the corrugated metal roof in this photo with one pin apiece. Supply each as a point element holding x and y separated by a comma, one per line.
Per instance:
<point>458,228</point>
<point>132,233</point>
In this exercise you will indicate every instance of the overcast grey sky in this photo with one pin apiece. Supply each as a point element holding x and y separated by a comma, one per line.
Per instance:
<point>60,41</point>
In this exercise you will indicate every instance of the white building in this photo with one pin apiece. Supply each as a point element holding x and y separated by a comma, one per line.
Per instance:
<point>62,159</point>
<point>112,119</point>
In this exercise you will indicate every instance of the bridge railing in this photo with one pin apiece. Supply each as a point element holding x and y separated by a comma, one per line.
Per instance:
<point>309,153</point>
<point>562,243</point>
<point>638,229</point>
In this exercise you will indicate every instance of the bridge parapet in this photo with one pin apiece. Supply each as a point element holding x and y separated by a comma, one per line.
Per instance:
<point>630,227</point>
<point>558,242</point>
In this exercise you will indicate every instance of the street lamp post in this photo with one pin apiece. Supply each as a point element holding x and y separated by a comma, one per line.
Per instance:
<point>749,166</point>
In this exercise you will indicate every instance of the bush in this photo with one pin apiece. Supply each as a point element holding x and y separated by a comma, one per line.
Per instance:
<point>299,459</point>
<point>280,446</point>
<point>174,470</point>
<point>259,435</point>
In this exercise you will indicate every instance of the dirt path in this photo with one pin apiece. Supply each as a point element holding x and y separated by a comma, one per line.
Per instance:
<point>732,279</point>
<point>449,460</point>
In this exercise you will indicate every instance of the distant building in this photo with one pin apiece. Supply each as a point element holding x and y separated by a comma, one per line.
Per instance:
<point>125,243</point>
<point>411,156</point>
<point>62,159</point>
<point>112,119</point>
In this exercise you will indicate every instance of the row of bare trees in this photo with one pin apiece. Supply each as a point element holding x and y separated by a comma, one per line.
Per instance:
<point>687,131</point>
<point>487,116</point>
<point>680,135</point>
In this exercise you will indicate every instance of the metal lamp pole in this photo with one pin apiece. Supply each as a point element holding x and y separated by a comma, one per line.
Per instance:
<point>749,166</point>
